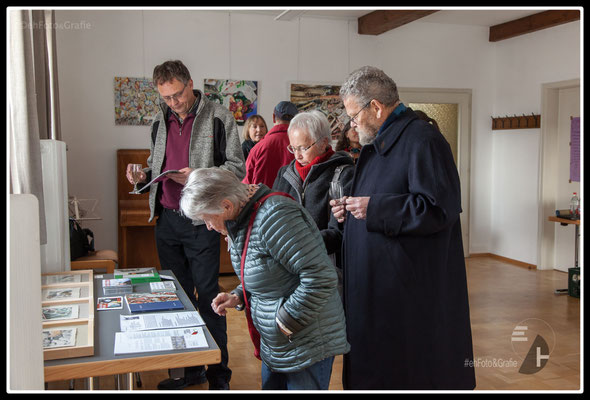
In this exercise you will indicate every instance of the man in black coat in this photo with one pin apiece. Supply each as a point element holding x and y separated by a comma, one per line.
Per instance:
<point>405,287</point>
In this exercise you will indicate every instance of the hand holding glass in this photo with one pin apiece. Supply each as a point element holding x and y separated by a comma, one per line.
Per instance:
<point>336,192</point>
<point>136,171</point>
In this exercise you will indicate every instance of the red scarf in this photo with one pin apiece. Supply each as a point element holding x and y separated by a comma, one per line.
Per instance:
<point>303,171</point>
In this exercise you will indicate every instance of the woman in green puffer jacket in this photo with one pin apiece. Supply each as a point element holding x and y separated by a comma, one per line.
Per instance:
<point>291,284</point>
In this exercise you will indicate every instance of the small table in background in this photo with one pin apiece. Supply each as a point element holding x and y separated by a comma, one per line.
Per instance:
<point>576,223</point>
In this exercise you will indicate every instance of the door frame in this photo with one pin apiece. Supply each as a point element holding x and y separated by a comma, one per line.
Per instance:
<point>462,97</point>
<point>548,159</point>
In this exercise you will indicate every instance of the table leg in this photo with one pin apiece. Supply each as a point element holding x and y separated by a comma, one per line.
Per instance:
<point>576,246</point>
<point>577,234</point>
<point>130,381</point>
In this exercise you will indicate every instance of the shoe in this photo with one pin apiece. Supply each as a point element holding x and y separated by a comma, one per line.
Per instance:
<point>180,383</point>
<point>223,386</point>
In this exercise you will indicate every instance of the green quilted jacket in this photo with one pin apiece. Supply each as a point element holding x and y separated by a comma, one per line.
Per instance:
<point>288,275</point>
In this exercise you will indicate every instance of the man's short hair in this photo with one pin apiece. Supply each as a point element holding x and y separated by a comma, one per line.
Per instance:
<point>169,70</point>
<point>368,83</point>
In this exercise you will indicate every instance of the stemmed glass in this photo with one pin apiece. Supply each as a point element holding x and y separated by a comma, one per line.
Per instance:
<point>336,192</point>
<point>136,174</point>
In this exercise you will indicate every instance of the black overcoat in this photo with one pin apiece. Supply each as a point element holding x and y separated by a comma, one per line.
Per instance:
<point>405,287</point>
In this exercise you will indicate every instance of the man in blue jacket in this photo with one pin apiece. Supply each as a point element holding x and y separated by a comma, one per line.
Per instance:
<point>405,287</point>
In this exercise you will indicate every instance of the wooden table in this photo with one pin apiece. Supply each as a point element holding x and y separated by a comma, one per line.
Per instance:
<point>104,362</point>
<point>576,223</point>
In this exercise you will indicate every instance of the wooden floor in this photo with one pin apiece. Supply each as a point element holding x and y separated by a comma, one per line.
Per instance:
<point>501,296</point>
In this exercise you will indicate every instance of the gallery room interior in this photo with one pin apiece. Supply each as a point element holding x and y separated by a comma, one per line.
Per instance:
<point>503,84</point>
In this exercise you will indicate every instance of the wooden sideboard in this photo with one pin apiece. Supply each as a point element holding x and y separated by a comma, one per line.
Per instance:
<point>137,243</point>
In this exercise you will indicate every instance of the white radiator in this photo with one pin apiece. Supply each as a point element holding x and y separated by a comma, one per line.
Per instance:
<point>55,255</point>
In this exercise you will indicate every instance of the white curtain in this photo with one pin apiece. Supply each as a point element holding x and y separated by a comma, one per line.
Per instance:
<point>33,111</point>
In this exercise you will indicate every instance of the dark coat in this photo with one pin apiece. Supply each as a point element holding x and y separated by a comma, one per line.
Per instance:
<point>405,287</point>
<point>313,194</point>
<point>246,147</point>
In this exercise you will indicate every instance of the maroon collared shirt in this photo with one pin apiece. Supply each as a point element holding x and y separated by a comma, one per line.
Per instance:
<point>177,154</point>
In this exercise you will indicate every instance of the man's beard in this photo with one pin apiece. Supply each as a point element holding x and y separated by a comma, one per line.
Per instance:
<point>366,136</point>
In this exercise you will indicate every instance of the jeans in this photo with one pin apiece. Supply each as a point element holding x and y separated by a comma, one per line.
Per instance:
<point>315,377</point>
<point>192,254</point>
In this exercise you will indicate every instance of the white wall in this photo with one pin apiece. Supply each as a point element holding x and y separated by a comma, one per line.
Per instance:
<point>217,44</point>
<point>522,65</point>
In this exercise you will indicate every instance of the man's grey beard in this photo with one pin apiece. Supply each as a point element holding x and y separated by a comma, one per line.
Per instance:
<point>366,138</point>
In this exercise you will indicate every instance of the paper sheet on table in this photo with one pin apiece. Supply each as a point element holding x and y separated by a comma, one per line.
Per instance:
<point>144,322</point>
<point>159,340</point>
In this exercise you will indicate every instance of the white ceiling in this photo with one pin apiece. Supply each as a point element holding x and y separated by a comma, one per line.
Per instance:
<point>478,17</point>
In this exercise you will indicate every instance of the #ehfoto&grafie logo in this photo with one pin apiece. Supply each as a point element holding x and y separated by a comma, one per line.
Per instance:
<point>533,340</point>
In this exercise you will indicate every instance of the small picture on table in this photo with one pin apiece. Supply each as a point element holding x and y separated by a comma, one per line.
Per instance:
<point>59,337</point>
<point>61,293</point>
<point>69,278</point>
<point>110,303</point>
<point>60,312</point>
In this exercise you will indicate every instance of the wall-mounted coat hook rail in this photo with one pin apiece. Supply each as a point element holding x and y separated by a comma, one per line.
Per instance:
<point>532,121</point>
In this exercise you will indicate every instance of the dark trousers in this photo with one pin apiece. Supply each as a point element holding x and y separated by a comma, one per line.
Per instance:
<point>192,254</point>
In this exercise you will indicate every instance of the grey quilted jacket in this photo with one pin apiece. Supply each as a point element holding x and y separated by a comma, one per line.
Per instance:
<point>288,275</point>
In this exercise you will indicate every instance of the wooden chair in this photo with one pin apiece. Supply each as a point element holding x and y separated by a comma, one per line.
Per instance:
<point>100,259</point>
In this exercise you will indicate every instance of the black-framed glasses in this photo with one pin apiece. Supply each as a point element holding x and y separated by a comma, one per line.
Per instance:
<point>352,119</point>
<point>300,149</point>
<point>168,99</point>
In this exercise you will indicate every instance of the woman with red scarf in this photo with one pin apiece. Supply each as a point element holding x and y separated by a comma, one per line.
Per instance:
<point>307,178</point>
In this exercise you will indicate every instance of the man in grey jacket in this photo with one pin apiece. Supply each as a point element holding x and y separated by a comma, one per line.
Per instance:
<point>190,132</point>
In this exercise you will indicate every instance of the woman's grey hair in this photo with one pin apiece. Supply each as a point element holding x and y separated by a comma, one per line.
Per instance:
<point>206,188</point>
<point>315,123</point>
<point>368,83</point>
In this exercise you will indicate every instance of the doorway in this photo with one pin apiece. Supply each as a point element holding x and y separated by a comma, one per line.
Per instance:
<point>451,108</point>
<point>555,243</point>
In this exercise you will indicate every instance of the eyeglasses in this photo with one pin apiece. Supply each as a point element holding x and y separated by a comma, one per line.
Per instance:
<point>352,119</point>
<point>300,149</point>
<point>175,97</point>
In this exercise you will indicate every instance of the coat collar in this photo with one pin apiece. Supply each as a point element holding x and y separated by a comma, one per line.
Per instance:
<point>243,217</point>
<point>392,129</point>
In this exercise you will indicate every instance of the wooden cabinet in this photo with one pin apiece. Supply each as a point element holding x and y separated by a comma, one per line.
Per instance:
<point>137,242</point>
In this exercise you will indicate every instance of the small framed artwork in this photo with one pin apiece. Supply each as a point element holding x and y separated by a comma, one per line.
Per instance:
<point>323,97</point>
<point>240,97</point>
<point>67,313</point>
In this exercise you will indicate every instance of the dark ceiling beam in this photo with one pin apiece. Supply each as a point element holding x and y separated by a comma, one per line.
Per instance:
<point>378,22</point>
<point>532,23</point>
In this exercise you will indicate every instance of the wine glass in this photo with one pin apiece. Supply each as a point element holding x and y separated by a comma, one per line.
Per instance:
<point>336,192</point>
<point>136,175</point>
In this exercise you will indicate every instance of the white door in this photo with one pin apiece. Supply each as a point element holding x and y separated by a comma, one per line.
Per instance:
<point>460,139</point>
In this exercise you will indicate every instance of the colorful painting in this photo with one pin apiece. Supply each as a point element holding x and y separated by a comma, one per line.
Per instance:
<point>136,101</point>
<point>240,97</point>
<point>575,149</point>
<point>325,98</point>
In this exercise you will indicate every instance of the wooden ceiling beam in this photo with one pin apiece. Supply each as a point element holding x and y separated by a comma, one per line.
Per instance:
<point>380,21</point>
<point>532,23</point>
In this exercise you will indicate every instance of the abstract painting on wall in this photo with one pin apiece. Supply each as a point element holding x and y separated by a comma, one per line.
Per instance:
<point>240,97</point>
<point>136,101</point>
<point>324,98</point>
